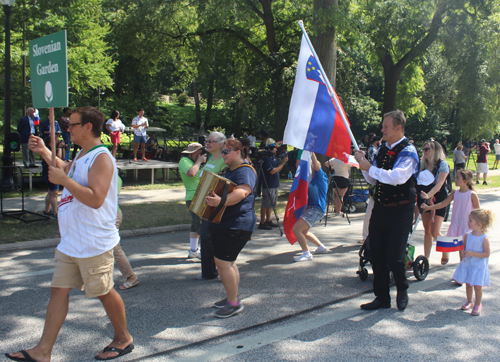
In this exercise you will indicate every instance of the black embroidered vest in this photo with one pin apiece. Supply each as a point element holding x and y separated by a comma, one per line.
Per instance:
<point>387,194</point>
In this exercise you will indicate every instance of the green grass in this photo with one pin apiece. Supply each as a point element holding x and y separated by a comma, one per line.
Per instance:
<point>471,165</point>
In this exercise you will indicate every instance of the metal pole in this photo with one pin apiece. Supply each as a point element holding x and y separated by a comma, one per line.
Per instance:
<point>7,179</point>
<point>329,86</point>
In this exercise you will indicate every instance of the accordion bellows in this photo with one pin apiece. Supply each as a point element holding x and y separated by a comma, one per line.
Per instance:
<point>210,182</point>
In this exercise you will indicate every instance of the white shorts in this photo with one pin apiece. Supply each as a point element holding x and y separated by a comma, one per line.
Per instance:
<point>482,167</point>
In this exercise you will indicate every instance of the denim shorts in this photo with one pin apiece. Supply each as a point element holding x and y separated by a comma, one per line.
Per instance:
<point>312,215</point>
<point>139,139</point>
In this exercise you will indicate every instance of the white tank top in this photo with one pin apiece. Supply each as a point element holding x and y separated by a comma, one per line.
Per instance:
<point>85,231</point>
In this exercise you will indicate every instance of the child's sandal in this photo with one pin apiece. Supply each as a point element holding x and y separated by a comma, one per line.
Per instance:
<point>467,306</point>
<point>477,310</point>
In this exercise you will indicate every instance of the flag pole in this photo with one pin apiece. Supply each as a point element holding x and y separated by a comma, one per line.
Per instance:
<point>329,86</point>
<point>53,136</point>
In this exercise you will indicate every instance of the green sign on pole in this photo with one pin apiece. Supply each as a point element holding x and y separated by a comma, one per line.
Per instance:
<point>49,71</point>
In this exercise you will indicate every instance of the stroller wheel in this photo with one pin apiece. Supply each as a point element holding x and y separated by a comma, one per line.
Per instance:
<point>363,274</point>
<point>421,268</point>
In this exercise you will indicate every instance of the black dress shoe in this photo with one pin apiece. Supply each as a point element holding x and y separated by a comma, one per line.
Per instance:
<point>402,299</point>
<point>376,304</point>
<point>265,226</point>
<point>32,165</point>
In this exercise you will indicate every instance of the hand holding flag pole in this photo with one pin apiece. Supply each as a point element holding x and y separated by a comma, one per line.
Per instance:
<point>328,85</point>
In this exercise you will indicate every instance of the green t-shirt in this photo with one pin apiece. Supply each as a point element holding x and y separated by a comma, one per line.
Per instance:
<point>190,183</point>
<point>214,166</point>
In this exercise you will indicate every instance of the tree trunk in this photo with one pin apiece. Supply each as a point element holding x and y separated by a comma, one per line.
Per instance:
<point>390,89</point>
<point>393,70</point>
<point>197,107</point>
<point>210,100</point>
<point>325,42</point>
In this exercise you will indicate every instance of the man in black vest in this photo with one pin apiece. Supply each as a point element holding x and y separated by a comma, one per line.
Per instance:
<point>393,173</point>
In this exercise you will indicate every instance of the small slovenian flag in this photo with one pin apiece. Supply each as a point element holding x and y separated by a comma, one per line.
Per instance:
<point>449,243</point>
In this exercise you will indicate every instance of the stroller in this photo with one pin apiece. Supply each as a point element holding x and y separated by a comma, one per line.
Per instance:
<point>420,265</point>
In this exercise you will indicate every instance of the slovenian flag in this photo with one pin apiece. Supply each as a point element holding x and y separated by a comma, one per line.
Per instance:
<point>297,201</point>
<point>449,243</point>
<point>314,123</point>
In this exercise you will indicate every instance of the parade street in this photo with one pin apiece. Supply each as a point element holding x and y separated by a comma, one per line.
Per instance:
<point>305,311</point>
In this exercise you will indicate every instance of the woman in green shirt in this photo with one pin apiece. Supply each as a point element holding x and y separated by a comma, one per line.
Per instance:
<point>215,164</point>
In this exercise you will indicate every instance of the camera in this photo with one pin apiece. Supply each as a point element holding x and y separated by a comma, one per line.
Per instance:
<point>263,154</point>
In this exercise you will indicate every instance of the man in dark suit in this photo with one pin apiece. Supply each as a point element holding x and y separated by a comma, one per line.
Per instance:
<point>25,128</point>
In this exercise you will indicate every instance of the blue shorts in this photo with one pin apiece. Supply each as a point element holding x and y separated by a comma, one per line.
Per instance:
<point>312,215</point>
<point>139,139</point>
<point>52,187</point>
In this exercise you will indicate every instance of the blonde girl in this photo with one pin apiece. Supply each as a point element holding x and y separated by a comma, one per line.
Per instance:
<point>473,269</point>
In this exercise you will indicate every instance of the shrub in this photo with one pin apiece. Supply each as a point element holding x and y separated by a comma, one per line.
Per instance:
<point>182,99</point>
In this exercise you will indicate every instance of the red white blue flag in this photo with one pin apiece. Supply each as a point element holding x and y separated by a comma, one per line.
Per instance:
<point>449,243</point>
<point>297,201</point>
<point>314,122</point>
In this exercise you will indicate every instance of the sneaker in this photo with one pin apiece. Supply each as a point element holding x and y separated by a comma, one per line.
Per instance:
<point>335,214</point>
<point>54,217</point>
<point>258,197</point>
<point>272,224</point>
<point>144,159</point>
<point>477,310</point>
<point>485,183</point>
<point>303,257</point>
<point>135,158</point>
<point>194,254</point>
<point>265,226</point>
<point>48,213</point>
<point>222,303</point>
<point>477,182</point>
<point>229,310</point>
<point>320,250</point>
<point>467,306</point>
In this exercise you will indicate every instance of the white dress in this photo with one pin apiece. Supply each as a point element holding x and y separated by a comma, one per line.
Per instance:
<point>473,270</point>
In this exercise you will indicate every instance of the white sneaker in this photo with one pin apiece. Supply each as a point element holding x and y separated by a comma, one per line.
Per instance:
<point>303,257</point>
<point>194,254</point>
<point>320,250</point>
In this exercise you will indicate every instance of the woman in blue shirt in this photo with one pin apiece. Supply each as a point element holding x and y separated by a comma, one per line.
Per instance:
<point>314,211</point>
<point>236,226</point>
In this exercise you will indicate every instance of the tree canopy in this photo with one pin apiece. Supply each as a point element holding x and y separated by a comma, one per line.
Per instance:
<point>434,59</point>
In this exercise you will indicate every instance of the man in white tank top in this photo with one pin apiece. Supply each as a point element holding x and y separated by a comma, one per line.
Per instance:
<point>87,216</point>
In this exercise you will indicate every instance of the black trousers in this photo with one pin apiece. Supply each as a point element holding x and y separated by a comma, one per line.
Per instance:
<point>388,231</point>
<point>208,269</point>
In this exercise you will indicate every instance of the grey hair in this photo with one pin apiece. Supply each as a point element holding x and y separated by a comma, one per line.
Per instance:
<point>219,137</point>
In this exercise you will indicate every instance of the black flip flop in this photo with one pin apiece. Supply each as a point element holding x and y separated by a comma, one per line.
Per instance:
<point>121,352</point>
<point>27,357</point>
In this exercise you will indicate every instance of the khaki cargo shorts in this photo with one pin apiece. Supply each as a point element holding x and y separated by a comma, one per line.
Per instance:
<point>94,275</point>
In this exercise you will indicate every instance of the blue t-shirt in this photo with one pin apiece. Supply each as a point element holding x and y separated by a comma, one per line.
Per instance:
<point>242,215</point>
<point>268,164</point>
<point>316,193</point>
<point>46,127</point>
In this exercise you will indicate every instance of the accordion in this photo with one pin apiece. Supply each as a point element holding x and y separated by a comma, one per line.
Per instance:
<point>211,182</point>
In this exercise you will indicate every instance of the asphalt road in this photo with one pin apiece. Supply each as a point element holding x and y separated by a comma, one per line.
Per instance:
<point>293,311</point>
